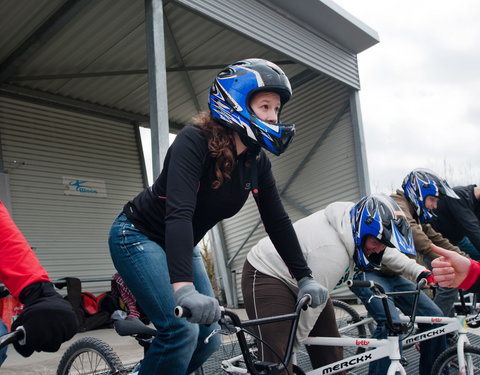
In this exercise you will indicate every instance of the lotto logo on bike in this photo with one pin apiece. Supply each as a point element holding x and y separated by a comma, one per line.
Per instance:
<point>420,337</point>
<point>346,364</point>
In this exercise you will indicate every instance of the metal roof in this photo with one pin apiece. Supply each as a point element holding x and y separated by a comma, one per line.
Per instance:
<point>91,55</point>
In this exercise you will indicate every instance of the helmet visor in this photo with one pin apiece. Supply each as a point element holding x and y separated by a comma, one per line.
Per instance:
<point>401,236</point>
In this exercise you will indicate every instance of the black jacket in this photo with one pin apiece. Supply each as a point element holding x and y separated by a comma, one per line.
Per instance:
<point>457,218</point>
<point>181,206</point>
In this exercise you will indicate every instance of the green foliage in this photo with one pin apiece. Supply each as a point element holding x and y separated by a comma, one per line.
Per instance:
<point>208,260</point>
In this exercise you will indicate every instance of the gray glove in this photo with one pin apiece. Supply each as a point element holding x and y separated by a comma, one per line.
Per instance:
<point>203,309</point>
<point>308,285</point>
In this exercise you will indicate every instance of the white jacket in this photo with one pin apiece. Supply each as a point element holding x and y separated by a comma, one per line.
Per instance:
<point>327,243</point>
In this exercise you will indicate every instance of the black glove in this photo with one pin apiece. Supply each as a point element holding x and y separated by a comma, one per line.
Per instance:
<point>204,309</point>
<point>47,318</point>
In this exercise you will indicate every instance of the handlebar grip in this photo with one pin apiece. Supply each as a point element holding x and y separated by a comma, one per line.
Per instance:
<point>422,283</point>
<point>360,283</point>
<point>17,335</point>
<point>182,312</point>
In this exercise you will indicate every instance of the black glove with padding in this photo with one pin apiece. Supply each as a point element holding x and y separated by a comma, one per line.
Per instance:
<point>47,318</point>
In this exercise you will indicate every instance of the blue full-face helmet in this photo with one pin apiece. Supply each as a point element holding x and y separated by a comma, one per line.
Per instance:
<point>230,97</point>
<point>419,184</point>
<point>379,216</point>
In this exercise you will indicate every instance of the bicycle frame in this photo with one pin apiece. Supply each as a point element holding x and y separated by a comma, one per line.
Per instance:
<point>382,348</point>
<point>387,349</point>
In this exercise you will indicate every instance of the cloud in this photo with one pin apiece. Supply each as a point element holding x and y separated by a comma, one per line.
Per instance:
<point>419,89</point>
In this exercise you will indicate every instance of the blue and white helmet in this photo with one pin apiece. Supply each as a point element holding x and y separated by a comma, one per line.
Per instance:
<point>379,216</point>
<point>230,97</point>
<point>419,184</point>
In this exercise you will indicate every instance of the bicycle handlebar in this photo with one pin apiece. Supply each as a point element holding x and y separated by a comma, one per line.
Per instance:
<point>235,322</point>
<point>184,312</point>
<point>11,337</point>
<point>395,328</point>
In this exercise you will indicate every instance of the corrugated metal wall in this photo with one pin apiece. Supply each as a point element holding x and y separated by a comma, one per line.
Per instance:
<point>281,34</point>
<point>43,145</point>
<point>320,110</point>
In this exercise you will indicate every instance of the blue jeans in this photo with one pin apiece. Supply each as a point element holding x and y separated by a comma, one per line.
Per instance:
<point>430,349</point>
<point>179,347</point>
<point>3,352</point>
<point>467,247</point>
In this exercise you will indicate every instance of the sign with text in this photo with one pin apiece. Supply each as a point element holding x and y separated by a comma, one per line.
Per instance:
<point>85,187</point>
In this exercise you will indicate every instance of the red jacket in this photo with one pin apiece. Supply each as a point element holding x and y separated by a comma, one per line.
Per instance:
<point>19,266</point>
<point>472,281</point>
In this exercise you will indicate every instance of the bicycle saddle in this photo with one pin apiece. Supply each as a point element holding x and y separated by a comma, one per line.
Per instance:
<point>129,327</point>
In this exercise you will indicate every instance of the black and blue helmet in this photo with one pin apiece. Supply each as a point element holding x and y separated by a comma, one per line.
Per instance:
<point>230,97</point>
<point>379,216</point>
<point>419,184</point>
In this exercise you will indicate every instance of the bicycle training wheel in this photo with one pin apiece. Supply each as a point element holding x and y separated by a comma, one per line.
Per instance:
<point>90,356</point>
<point>447,362</point>
<point>347,319</point>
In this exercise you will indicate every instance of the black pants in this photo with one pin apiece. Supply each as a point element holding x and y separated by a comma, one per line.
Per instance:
<point>266,296</point>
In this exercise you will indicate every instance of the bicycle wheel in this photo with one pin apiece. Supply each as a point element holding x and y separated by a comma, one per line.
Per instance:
<point>347,318</point>
<point>447,362</point>
<point>90,356</point>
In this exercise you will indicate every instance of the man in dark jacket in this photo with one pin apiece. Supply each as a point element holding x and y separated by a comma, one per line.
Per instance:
<point>459,219</point>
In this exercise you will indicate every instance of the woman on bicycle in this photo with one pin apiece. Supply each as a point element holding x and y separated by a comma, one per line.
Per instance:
<point>47,318</point>
<point>208,173</point>
<point>334,241</point>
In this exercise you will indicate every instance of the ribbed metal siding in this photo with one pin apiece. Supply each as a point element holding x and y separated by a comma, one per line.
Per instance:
<point>329,175</point>
<point>68,233</point>
<point>248,17</point>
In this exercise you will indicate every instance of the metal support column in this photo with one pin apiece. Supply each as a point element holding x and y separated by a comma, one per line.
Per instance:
<point>359,142</point>
<point>157,82</point>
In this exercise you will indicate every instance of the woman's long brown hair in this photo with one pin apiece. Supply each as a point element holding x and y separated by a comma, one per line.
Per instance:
<point>221,144</point>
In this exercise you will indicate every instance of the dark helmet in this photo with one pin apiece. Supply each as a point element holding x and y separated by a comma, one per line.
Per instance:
<point>230,97</point>
<point>419,184</point>
<point>379,216</point>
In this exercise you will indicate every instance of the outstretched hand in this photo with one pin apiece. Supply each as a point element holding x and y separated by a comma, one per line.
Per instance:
<point>450,269</point>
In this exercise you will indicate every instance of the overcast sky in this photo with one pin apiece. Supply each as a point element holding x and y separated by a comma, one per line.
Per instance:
<point>420,89</point>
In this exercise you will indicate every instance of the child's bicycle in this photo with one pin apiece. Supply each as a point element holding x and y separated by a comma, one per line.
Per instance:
<point>461,359</point>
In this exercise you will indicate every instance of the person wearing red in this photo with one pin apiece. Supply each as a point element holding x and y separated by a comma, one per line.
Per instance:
<point>453,270</point>
<point>47,319</point>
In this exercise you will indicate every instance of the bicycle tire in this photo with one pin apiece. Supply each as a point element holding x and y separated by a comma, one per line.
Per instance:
<point>448,360</point>
<point>90,356</point>
<point>345,315</point>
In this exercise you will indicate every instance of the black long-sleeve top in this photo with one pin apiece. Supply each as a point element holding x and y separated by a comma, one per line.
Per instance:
<point>181,206</point>
<point>457,218</point>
